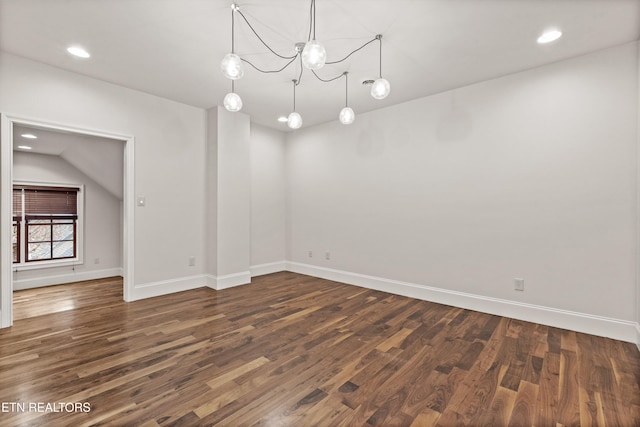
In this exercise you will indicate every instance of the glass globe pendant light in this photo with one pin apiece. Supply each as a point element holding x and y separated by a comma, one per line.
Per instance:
<point>231,64</point>
<point>381,87</point>
<point>347,116</point>
<point>232,101</point>
<point>294,121</point>
<point>314,55</point>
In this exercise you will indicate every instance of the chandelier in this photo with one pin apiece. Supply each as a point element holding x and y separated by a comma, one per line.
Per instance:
<point>310,55</point>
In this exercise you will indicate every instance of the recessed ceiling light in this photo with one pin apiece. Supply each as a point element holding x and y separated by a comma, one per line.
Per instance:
<point>549,36</point>
<point>283,119</point>
<point>24,147</point>
<point>29,136</point>
<point>78,51</point>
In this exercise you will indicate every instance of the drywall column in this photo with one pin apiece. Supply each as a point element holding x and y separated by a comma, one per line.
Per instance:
<point>211,198</point>
<point>228,199</point>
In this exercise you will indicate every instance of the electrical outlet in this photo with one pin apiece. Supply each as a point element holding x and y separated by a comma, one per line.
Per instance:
<point>192,261</point>
<point>327,255</point>
<point>518,284</point>
<point>310,254</point>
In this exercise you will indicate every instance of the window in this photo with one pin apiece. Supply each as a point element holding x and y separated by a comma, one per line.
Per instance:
<point>17,218</point>
<point>50,239</point>
<point>45,222</point>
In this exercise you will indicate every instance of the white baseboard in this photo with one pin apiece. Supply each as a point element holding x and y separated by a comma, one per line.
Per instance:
<point>77,276</point>
<point>211,281</point>
<point>228,281</point>
<point>272,267</point>
<point>165,287</point>
<point>581,322</point>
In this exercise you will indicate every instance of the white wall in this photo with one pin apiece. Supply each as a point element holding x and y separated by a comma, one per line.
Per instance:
<point>638,212</point>
<point>267,198</point>
<point>102,222</point>
<point>531,176</point>
<point>169,160</point>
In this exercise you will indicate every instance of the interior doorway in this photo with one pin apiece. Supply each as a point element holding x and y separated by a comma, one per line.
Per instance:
<point>61,138</point>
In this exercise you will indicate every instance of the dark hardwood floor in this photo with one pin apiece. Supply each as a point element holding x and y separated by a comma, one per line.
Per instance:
<point>292,350</point>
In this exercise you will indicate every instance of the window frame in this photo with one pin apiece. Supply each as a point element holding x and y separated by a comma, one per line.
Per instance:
<point>17,225</point>
<point>78,259</point>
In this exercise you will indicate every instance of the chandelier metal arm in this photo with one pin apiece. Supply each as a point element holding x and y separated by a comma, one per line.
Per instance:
<point>260,38</point>
<point>353,51</point>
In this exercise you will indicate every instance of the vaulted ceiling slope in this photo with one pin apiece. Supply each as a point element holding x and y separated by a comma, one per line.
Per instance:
<point>173,48</point>
<point>101,159</point>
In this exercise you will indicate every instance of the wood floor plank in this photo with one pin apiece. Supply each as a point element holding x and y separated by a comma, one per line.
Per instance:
<point>568,411</point>
<point>501,408</point>
<point>426,418</point>
<point>547,403</point>
<point>293,350</point>
<point>434,392</point>
<point>524,405</point>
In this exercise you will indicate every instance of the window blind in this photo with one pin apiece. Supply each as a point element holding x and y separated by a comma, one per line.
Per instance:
<point>17,205</point>
<point>50,202</point>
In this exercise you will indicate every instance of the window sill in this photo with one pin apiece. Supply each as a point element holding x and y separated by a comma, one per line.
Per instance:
<point>35,265</point>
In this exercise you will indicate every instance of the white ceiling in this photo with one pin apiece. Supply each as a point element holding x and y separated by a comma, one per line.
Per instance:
<point>173,48</point>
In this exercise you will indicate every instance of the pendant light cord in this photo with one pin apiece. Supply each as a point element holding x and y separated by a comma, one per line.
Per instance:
<point>291,59</point>
<point>312,31</point>
<point>313,6</point>
<point>262,41</point>
<point>379,37</point>
<point>269,71</point>
<point>346,89</point>
<point>233,32</point>
<point>352,52</point>
<point>327,80</point>
<point>295,83</point>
